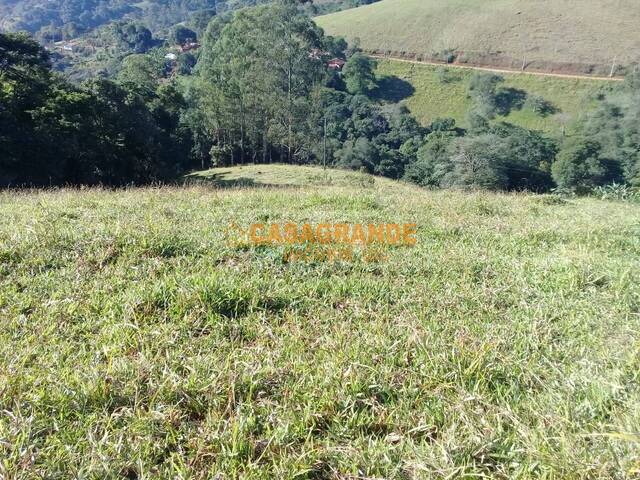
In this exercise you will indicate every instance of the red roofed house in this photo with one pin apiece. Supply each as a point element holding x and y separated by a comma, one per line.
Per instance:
<point>336,64</point>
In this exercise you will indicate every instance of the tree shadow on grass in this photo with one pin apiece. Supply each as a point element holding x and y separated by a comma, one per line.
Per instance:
<point>509,99</point>
<point>392,89</point>
<point>219,181</point>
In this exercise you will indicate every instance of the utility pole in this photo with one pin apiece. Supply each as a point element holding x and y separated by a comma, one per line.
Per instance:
<point>324,144</point>
<point>613,67</point>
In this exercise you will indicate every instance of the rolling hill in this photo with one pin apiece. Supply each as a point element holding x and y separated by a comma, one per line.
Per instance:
<point>582,36</point>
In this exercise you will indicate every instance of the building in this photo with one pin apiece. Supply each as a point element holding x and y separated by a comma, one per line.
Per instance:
<point>189,46</point>
<point>336,64</point>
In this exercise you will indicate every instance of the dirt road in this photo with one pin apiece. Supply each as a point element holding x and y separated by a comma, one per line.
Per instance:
<point>498,70</point>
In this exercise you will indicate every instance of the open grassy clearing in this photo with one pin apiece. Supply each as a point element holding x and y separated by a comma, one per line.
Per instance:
<point>570,36</point>
<point>279,175</point>
<point>434,94</point>
<point>137,344</point>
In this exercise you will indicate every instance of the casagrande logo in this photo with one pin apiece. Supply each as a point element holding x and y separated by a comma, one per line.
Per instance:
<point>325,241</point>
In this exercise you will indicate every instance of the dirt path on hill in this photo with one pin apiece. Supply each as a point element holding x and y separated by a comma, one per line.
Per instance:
<point>497,70</point>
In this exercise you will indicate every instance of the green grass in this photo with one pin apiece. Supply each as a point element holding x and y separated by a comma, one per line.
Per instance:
<point>569,35</point>
<point>278,175</point>
<point>136,343</point>
<point>434,98</point>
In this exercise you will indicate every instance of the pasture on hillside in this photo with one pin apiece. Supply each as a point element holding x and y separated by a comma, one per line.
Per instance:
<point>138,343</point>
<point>432,92</point>
<point>571,36</point>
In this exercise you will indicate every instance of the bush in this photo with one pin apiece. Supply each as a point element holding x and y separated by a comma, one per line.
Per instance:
<point>443,124</point>
<point>617,191</point>
<point>432,162</point>
<point>579,167</point>
<point>483,90</point>
<point>539,105</point>
<point>444,76</point>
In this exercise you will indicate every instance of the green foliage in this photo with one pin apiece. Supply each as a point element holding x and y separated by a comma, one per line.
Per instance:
<point>142,72</point>
<point>501,157</point>
<point>69,18</point>
<point>430,99</point>
<point>445,76</point>
<point>476,162</point>
<point>180,35</point>
<point>358,74</point>
<point>262,92</point>
<point>443,124</point>
<point>580,167</point>
<point>617,191</point>
<point>98,34</point>
<point>527,157</point>
<point>132,37</point>
<point>432,160</point>
<point>52,132</point>
<point>483,89</point>
<point>609,144</point>
<point>539,105</point>
<point>256,82</point>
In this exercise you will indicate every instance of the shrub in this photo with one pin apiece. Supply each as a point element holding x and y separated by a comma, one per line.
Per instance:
<point>483,90</point>
<point>539,105</point>
<point>580,167</point>
<point>617,191</point>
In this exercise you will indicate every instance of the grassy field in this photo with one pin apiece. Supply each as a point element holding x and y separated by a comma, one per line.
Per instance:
<point>283,176</point>
<point>138,344</point>
<point>548,34</point>
<point>436,94</point>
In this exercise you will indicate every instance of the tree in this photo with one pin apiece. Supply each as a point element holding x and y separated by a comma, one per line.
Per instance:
<point>615,126</point>
<point>477,162</point>
<point>580,167</point>
<point>526,157</point>
<point>433,160</point>
<point>483,89</point>
<point>180,35</point>
<point>141,71</point>
<point>200,20</point>
<point>358,154</point>
<point>53,132</point>
<point>358,74</point>
<point>132,36</point>
<point>443,124</point>
<point>264,75</point>
<point>25,80</point>
<point>290,37</point>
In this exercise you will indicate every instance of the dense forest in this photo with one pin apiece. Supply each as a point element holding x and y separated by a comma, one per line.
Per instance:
<point>67,19</point>
<point>267,85</point>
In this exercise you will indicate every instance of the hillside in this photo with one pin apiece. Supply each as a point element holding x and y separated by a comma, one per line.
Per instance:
<point>137,342</point>
<point>432,92</point>
<point>564,36</point>
<point>66,19</point>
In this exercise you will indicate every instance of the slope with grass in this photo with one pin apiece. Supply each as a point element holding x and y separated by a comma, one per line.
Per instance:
<point>432,92</point>
<point>280,175</point>
<point>573,36</point>
<point>137,343</point>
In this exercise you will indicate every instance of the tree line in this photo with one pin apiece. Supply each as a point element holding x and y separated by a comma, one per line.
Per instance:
<point>263,90</point>
<point>53,132</point>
